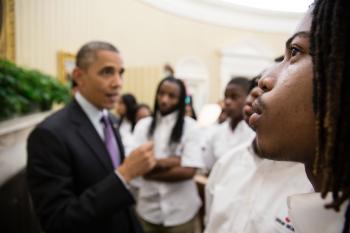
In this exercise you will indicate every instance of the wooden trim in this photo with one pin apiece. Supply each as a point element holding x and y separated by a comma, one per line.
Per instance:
<point>7,34</point>
<point>65,62</point>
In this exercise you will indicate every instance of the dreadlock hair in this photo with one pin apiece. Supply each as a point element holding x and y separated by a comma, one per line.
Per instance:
<point>330,54</point>
<point>130,103</point>
<point>177,131</point>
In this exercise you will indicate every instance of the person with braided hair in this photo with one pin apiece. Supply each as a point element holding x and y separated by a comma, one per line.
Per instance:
<point>303,115</point>
<point>168,200</point>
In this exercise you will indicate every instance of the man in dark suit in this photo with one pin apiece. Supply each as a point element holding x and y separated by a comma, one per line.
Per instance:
<point>77,174</point>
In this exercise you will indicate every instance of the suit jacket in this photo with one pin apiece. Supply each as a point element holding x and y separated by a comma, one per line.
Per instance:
<point>71,179</point>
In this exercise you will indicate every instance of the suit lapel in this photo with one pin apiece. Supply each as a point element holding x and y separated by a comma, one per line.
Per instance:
<point>89,135</point>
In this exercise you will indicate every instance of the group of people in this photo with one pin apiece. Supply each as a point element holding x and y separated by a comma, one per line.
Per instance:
<point>278,163</point>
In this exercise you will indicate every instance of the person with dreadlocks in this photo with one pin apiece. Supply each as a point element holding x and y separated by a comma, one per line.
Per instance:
<point>168,200</point>
<point>302,115</point>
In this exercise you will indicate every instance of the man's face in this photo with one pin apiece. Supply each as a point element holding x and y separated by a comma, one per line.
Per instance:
<point>284,119</point>
<point>101,82</point>
<point>168,97</point>
<point>248,107</point>
<point>234,101</point>
<point>142,113</point>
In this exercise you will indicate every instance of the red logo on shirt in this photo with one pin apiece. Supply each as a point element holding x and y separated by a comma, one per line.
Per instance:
<point>287,220</point>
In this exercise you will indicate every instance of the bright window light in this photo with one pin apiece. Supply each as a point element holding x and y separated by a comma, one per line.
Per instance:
<point>275,5</point>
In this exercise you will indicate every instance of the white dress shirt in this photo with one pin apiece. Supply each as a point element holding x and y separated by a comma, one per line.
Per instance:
<point>309,215</point>
<point>247,194</point>
<point>224,139</point>
<point>172,203</point>
<point>93,113</point>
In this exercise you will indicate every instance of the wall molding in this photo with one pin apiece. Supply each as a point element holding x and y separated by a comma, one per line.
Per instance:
<point>13,143</point>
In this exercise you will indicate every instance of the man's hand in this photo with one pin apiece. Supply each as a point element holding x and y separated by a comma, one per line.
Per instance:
<point>139,162</point>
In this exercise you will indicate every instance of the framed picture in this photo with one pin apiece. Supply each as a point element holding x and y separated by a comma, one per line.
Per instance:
<point>7,29</point>
<point>65,66</point>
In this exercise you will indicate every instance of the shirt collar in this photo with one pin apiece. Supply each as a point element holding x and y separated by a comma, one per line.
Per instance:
<point>93,113</point>
<point>168,118</point>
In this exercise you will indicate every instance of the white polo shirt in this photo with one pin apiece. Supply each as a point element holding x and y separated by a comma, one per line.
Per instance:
<point>247,194</point>
<point>309,215</point>
<point>224,139</point>
<point>172,203</point>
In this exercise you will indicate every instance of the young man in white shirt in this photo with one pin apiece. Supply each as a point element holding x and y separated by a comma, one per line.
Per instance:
<point>168,200</point>
<point>303,115</point>
<point>234,131</point>
<point>247,194</point>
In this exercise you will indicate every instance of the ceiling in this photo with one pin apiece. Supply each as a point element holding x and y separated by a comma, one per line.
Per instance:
<point>279,16</point>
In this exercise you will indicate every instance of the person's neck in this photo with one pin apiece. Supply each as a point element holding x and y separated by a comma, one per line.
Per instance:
<point>234,123</point>
<point>255,148</point>
<point>164,114</point>
<point>315,179</point>
<point>90,101</point>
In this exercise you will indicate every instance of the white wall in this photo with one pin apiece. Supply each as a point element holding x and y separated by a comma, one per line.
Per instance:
<point>145,35</point>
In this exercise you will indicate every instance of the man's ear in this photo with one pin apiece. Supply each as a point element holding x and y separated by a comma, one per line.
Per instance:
<point>77,76</point>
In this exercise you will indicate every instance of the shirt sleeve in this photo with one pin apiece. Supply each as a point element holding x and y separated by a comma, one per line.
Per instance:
<point>191,151</point>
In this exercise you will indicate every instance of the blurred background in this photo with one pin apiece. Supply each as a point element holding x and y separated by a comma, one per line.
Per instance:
<point>204,42</point>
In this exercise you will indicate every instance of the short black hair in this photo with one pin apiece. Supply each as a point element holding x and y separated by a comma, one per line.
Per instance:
<point>87,53</point>
<point>143,105</point>
<point>242,82</point>
<point>254,82</point>
<point>73,83</point>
